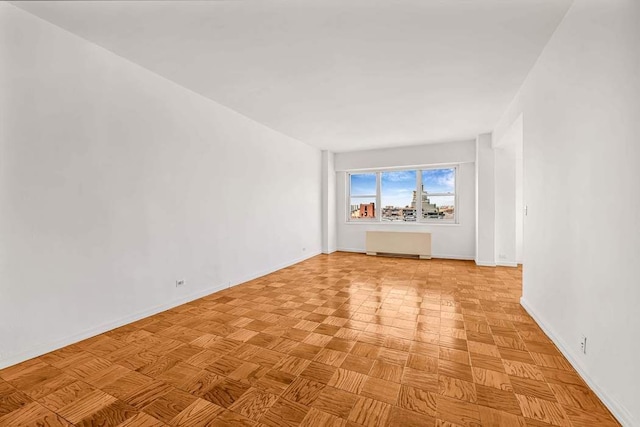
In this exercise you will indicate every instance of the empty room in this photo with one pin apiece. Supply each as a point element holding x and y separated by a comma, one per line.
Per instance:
<point>320,213</point>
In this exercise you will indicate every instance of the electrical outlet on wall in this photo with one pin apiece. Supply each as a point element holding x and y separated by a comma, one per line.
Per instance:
<point>583,344</point>
<point>180,282</point>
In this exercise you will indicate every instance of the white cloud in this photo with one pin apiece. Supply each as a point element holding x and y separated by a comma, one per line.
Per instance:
<point>448,179</point>
<point>398,176</point>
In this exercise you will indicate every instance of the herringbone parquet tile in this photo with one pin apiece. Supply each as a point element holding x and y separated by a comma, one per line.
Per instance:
<point>343,339</point>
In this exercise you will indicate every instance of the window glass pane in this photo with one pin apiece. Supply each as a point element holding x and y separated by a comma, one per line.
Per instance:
<point>438,207</point>
<point>363,184</point>
<point>398,195</point>
<point>363,207</point>
<point>439,181</point>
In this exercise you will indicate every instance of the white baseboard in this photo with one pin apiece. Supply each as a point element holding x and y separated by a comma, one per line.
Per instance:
<point>456,257</point>
<point>47,347</point>
<point>439,256</point>
<point>356,250</point>
<point>485,264</point>
<point>506,264</point>
<point>619,411</point>
<point>444,256</point>
<point>274,268</point>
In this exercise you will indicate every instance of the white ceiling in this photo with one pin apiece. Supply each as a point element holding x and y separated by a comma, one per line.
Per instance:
<point>341,75</point>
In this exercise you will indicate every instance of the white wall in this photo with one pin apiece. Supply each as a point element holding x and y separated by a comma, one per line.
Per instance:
<point>485,203</point>
<point>329,231</point>
<point>509,210</point>
<point>448,240</point>
<point>416,155</point>
<point>581,112</point>
<point>115,182</point>
<point>505,210</point>
<point>519,196</point>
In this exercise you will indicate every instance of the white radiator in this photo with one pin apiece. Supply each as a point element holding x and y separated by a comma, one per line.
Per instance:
<point>399,243</point>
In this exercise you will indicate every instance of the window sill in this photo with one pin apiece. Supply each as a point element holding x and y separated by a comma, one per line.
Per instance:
<point>405,224</point>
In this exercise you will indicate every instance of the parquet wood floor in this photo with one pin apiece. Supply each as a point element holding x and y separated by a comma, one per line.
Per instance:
<point>337,340</point>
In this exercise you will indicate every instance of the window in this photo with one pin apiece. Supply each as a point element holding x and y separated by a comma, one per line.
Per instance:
<point>398,195</point>
<point>404,196</point>
<point>438,193</point>
<point>363,196</point>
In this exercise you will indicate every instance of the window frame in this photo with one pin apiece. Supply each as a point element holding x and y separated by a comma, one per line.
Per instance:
<point>378,196</point>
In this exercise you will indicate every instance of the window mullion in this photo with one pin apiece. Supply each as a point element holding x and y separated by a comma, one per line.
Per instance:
<point>419,195</point>
<point>378,210</point>
<point>348,201</point>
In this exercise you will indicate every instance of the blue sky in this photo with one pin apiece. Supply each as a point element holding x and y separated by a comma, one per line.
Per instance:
<point>439,180</point>
<point>363,184</point>
<point>398,186</point>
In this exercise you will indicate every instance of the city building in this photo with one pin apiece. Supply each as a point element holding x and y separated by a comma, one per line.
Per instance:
<point>367,210</point>
<point>429,210</point>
